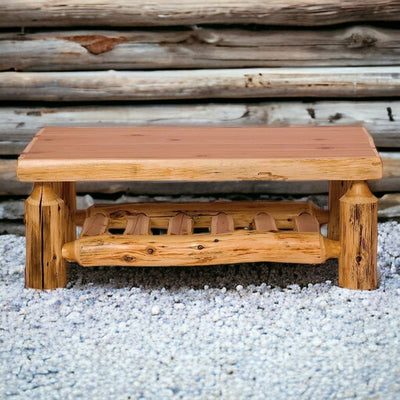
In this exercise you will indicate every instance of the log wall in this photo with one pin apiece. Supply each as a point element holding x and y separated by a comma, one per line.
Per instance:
<point>222,64</point>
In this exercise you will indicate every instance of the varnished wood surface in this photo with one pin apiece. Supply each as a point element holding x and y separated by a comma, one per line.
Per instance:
<point>358,238</point>
<point>222,223</point>
<point>306,222</point>
<point>264,222</point>
<point>180,224</point>
<point>200,153</point>
<point>47,228</point>
<point>242,212</point>
<point>336,190</point>
<point>202,249</point>
<point>95,225</point>
<point>138,224</point>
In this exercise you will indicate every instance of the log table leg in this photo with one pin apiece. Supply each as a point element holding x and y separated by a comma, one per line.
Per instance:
<point>336,190</point>
<point>67,192</point>
<point>49,224</point>
<point>358,238</point>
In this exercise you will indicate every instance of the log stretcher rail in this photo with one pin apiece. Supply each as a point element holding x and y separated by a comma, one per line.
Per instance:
<point>238,232</point>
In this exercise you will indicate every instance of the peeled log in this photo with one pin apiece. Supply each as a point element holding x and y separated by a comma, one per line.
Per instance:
<point>46,231</point>
<point>190,12</point>
<point>358,238</point>
<point>9,186</point>
<point>201,249</point>
<point>197,47</point>
<point>200,84</point>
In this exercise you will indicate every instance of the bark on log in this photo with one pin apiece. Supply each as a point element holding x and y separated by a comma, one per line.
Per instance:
<point>9,186</point>
<point>200,84</point>
<point>189,12</point>
<point>381,118</point>
<point>198,47</point>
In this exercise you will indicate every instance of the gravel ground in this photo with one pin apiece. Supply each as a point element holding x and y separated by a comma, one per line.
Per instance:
<point>259,331</point>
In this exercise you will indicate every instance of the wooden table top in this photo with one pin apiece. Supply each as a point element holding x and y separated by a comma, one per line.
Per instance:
<point>199,154</point>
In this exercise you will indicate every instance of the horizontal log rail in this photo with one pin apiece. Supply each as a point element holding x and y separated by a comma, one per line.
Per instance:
<point>189,12</point>
<point>12,210</point>
<point>381,118</point>
<point>200,84</point>
<point>9,186</point>
<point>201,249</point>
<point>198,47</point>
<point>242,212</point>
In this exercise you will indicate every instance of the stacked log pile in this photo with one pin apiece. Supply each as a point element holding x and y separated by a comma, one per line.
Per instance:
<point>219,63</point>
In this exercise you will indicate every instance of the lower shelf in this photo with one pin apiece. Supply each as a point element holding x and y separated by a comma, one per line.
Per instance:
<point>179,234</point>
<point>201,249</point>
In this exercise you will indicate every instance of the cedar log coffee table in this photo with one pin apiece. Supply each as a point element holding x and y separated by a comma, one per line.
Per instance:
<point>172,234</point>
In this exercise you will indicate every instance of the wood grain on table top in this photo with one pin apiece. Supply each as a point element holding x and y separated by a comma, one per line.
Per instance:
<point>199,142</point>
<point>78,153</point>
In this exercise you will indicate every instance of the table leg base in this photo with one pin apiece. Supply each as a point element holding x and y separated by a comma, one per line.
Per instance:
<point>358,238</point>
<point>47,229</point>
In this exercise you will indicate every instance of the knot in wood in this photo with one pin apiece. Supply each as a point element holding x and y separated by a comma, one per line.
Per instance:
<point>129,258</point>
<point>360,40</point>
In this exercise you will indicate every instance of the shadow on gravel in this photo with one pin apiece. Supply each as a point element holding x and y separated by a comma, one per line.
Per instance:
<point>228,276</point>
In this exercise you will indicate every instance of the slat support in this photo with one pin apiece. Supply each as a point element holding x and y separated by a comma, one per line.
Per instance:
<point>242,212</point>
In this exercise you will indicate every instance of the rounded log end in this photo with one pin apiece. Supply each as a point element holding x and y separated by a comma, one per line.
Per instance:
<point>69,251</point>
<point>359,193</point>
<point>332,248</point>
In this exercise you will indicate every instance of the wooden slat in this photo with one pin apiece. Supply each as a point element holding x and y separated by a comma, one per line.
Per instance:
<point>201,249</point>
<point>222,223</point>
<point>201,84</point>
<point>138,224</point>
<point>180,224</point>
<point>264,222</point>
<point>197,47</point>
<point>306,222</point>
<point>95,225</point>
<point>242,212</point>
<point>190,12</point>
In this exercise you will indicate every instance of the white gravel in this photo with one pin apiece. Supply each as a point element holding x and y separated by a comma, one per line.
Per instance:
<point>264,331</point>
